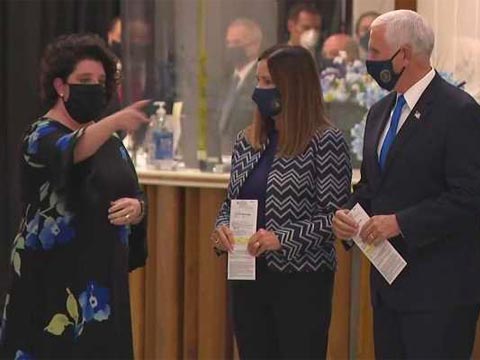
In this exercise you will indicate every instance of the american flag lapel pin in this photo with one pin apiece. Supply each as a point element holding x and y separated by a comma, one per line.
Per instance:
<point>417,114</point>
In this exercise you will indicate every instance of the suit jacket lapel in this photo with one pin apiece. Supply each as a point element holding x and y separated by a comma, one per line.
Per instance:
<point>409,129</point>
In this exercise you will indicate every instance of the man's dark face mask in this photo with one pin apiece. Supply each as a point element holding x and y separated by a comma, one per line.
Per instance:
<point>236,56</point>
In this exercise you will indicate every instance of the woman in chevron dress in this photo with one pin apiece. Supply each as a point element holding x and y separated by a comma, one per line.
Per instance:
<point>297,166</point>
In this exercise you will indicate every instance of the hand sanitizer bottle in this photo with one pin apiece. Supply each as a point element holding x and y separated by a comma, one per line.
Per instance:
<point>161,154</point>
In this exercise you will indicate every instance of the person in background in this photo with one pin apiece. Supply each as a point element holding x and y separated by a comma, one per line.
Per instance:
<point>114,41</point>
<point>336,43</point>
<point>243,40</point>
<point>304,24</point>
<point>83,225</point>
<point>304,19</point>
<point>297,166</point>
<point>114,36</point>
<point>420,184</point>
<point>139,77</point>
<point>362,31</point>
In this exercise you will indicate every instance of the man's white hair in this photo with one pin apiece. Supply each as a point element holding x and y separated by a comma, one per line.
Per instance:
<point>253,29</point>
<point>407,27</point>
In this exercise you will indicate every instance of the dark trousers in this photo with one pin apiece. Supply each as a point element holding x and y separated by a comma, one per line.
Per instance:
<point>446,333</point>
<point>282,316</point>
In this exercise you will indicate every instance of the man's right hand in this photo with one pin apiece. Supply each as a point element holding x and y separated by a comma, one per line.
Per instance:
<point>343,225</point>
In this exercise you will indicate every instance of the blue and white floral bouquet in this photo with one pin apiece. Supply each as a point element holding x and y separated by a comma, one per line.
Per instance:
<point>350,82</point>
<point>349,85</point>
<point>349,92</point>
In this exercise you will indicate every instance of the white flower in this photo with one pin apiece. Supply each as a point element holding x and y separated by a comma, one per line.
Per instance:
<point>357,132</point>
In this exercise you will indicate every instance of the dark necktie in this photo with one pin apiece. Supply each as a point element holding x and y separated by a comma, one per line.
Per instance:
<point>392,131</point>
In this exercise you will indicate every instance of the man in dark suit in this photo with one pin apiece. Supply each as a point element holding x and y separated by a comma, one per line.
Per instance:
<point>420,183</point>
<point>243,41</point>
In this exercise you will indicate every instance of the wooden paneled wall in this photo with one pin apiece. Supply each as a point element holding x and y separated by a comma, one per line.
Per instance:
<point>180,299</point>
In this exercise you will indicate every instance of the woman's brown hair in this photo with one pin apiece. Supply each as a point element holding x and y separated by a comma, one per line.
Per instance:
<point>295,75</point>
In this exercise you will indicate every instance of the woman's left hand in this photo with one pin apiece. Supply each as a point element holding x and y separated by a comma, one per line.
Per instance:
<point>125,211</point>
<point>262,241</point>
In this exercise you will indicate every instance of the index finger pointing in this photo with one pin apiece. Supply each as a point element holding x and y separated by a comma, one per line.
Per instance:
<point>139,105</point>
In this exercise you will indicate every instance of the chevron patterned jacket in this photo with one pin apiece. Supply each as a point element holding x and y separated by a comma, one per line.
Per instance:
<point>303,193</point>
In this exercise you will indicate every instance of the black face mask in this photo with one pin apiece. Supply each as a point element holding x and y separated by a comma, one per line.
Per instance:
<point>382,72</point>
<point>363,41</point>
<point>268,101</point>
<point>85,102</point>
<point>236,56</point>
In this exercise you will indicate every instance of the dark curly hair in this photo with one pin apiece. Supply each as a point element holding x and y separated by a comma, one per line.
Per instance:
<point>64,53</point>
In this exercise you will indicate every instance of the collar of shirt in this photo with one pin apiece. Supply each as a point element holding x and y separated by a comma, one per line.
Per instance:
<point>412,95</point>
<point>242,74</point>
<point>416,90</point>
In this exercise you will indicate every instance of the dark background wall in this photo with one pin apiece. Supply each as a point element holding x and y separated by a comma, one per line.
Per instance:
<point>26,26</point>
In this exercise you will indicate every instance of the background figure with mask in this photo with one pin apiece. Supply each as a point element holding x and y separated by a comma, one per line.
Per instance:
<point>243,40</point>
<point>114,42</point>
<point>304,26</point>
<point>114,36</point>
<point>362,31</point>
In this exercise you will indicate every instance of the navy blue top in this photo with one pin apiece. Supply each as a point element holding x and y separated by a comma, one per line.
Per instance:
<point>255,186</point>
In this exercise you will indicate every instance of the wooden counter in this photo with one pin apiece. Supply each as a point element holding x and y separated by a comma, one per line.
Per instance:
<point>184,178</point>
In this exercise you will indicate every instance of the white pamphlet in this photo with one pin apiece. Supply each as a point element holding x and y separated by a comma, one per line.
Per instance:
<point>383,256</point>
<point>243,223</point>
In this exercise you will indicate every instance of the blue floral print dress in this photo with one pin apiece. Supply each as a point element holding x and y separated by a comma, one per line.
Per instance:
<point>69,281</point>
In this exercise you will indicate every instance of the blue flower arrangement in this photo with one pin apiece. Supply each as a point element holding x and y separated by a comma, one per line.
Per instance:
<point>349,92</point>
<point>349,86</point>
<point>349,82</point>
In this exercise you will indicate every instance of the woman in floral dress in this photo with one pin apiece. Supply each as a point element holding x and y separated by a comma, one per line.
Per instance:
<point>83,222</point>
